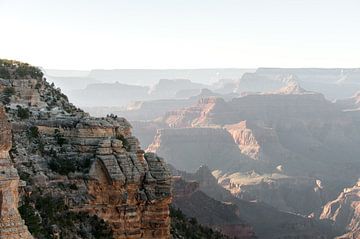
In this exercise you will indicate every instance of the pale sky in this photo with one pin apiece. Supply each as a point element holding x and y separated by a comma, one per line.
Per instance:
<point>86,34</point>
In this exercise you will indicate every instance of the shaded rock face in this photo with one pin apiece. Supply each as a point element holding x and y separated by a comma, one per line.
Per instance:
<point>11,223</point>
<point>267,222</point>
<point>344,212</point>
<point>291,194</point>
<point>224,217</point>
<point>206,145</point>
<point>91,166</point>
<point>349,104</point>
<point>300,134</point>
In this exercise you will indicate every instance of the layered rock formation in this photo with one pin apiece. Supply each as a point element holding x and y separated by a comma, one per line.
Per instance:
<point>344,212</point>
<point>92,167</point>
<point>206,145</point>
<point>267,222</point>
<point>11,224</point>
<point>349,104</point>
<point>301,195</point>
<point>288,144</point>
<point>224,217</point>
<point>334,83</point>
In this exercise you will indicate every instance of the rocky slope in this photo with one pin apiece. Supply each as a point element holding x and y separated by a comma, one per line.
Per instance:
<point>224,217</point>
<point>344,212</point>
<point>242,217</point>
<point>206,145</point>
<point>185,227</point>
<point>289,146</point>
<point>86,177</point>
<point>349,104</point>
<point>11,223</point>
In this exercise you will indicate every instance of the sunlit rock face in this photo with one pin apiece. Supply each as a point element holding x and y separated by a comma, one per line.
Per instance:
<point>127,190</point>
<point>199,194</point>
<point>11,224</point>
<point>344,211</point>
<point>93,168</point>
<point>287,141</point>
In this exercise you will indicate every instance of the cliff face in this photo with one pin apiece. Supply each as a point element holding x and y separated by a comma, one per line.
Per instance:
<point>93,168</point>
<point>267,222</point>
<point>224,217</point>
<point>344,212</point>
<point>11,223</point>
<point>333,83</point>
<point>352,103</point>
<point>293,137</point>
<point>189,148</point>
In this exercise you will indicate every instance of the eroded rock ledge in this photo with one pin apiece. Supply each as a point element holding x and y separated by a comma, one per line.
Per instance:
<point>11,224</point>
<point>91,170</point>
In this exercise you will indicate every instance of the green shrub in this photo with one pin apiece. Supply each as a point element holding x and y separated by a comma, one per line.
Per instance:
<point>41,213</point>
<point>32,219</point>
<point>4,73</point>
<point>38,86</point>
<point>23,113</point>
<point>73,186</point>
<point>6,95</point>
<point>183,227</point>
<point>24,70</point>
<point>125,142</point>
<point>60,140</point>
<point>9,91</point>
<point>33,132</point>
<point>62,166</point>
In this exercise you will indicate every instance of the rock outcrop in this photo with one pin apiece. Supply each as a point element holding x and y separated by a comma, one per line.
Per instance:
<point>189,148</point>
<point>11,224</point>
<point>267,222</point>
<point>224,217</point>
<point>335,83</point>
<point>344,212</point>
<point>93,168</point>
<point>290,140</point>
<point>349,104</point>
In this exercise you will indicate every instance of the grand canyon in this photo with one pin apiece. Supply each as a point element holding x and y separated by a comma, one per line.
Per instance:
<point>155,119</point>
<point>242,164</point>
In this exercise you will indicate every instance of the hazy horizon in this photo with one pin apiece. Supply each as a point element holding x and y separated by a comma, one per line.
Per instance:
<point>181,34</point>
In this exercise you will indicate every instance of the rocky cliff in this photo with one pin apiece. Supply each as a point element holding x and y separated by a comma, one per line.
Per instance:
<point>334,83</point>
<point>291,144</point>
<point>85,177</point>
<point>11,223</point>
<point>349,104</point>
<point>189,148</point>
<point>224,217</point>
<point>243,218</point>
<point>344,212</point>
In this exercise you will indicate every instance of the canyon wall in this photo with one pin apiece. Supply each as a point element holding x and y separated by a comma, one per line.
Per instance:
<point>291,144</point>
<point>11,224</point>
<point>344,212</point>
<point>85,177</point>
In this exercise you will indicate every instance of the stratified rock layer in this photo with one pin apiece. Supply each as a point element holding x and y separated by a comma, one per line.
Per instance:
<point>345,212</point>
<point>94,166</point>
<point>224,217</point>
<point>129,191</point>
<point>300,146</point>
<point>11,224</point>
